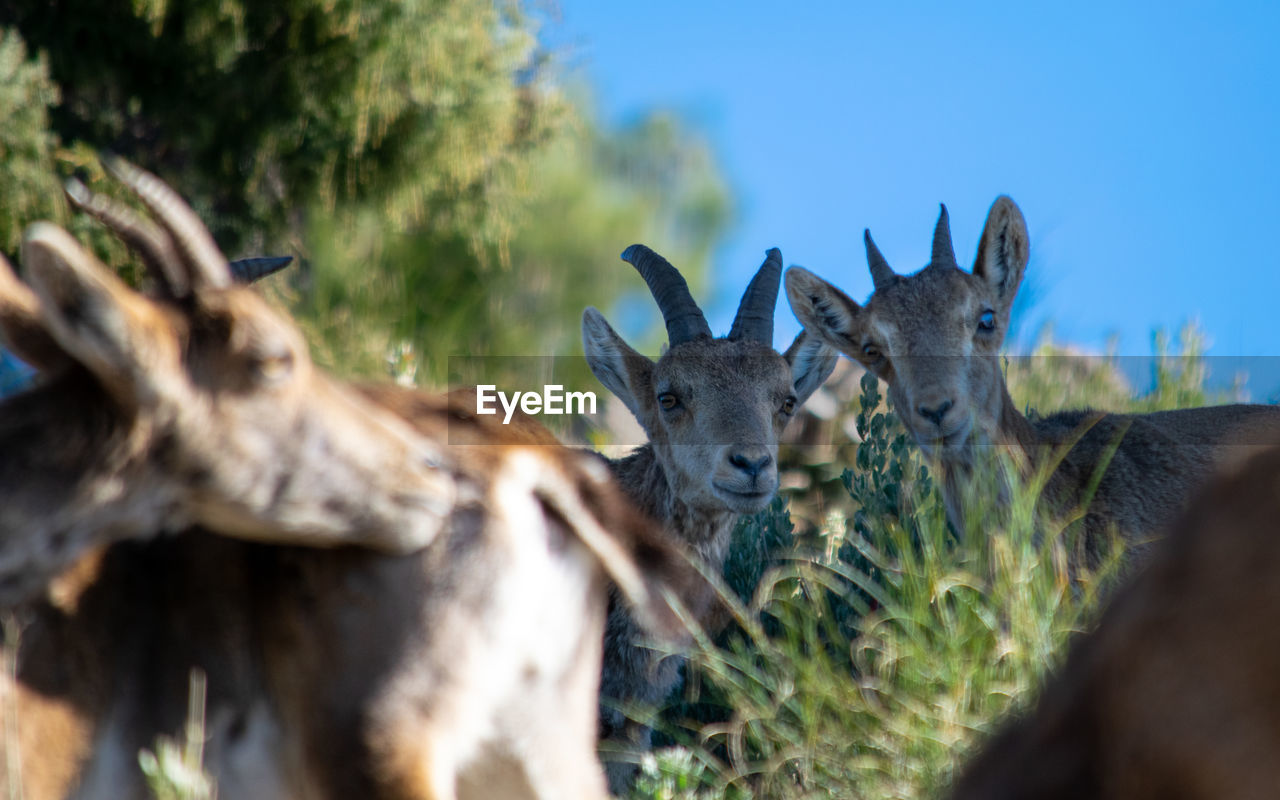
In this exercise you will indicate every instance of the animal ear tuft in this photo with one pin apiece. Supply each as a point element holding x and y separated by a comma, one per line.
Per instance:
<point>621,369</point>
<point>1003,250</point>
<point>21,326</point>
<point>821,308</point>
<point>812,362</point>
<point>112,331</point>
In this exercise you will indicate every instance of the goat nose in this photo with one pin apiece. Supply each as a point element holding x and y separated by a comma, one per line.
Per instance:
<point>751,466</point>
<point>935,414</point>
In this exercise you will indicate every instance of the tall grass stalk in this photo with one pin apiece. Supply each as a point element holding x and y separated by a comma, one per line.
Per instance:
<point>9,707</point>
<point>175,769</point>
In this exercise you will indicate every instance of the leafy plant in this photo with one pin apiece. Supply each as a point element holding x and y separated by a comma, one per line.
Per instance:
<point>874,652</point>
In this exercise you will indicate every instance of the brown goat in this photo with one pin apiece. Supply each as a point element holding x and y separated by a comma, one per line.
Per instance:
<point>1176,695</point>
<point>391,598</point>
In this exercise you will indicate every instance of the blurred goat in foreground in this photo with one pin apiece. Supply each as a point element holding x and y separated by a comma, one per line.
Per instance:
<point>390,597</point>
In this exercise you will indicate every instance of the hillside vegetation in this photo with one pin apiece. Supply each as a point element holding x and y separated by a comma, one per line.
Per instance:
<point>876,649</point>
<point>445,191</point>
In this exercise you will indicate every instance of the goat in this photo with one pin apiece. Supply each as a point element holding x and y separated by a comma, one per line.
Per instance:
<point>713,409</point>
<point>934,338</point>
<point>1177,692</point>
<point>391,597</point>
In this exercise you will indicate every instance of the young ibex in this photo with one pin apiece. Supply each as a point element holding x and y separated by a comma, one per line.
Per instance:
<point>383,609</point>
<point>1177,692</point>
<point>713,409</point>
<point>934,338</point>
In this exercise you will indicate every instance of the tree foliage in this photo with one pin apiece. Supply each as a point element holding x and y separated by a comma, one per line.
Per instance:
<point>26,143</point>
<point>596,193</point>
<point>445,195</point>
<point>261,110</point>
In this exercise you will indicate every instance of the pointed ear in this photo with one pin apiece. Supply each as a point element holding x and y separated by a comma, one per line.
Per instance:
<point>823,309</point>
<point>812,362</point>
<point>1003,251</point>
<point>622,370</point>
<point>115,333</point>
<point>21,326</point>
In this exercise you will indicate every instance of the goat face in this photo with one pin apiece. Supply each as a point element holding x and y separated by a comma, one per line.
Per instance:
<point>934,336</point>
<point>713,408</point>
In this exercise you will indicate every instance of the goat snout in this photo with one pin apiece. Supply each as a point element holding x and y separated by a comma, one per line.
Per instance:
<point>935,413</point>
<point>751,462</point>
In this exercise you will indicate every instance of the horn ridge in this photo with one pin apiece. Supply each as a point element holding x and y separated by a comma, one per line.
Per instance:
<point>681,314</point>
<point>881,272</point>
<point>201,256</point>
<point>152,245</point>
<point>754,320</point>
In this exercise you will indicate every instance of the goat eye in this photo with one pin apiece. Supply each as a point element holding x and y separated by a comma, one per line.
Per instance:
<point>871,351</point>
<point>668,400</point>
<point>275,367</point>
<point>789,406</point>
<point>987,321</point>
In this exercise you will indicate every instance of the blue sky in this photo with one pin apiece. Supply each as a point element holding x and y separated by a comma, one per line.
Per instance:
<point>1139,140</point>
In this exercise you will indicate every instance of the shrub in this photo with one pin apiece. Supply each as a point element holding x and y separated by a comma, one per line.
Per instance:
<point>872,652</point>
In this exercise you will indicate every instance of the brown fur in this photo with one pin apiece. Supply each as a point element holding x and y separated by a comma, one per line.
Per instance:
<point>921,334</point>
<point>734,399</point>
<point>1177,693</point>
<point>390,597</point>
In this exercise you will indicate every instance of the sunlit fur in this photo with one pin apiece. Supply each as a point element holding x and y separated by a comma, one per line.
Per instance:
<point>390,597</point>
<point>925,336</point>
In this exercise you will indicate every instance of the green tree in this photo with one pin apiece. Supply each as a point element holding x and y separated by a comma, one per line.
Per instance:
<point>435,294</point>
<point>259,111</point>
<point>444,194</point>
<point>26,143</point>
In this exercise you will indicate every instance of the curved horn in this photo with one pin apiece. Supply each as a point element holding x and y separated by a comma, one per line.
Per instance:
<point>248,270</point>
<point>881,272</point>
<point>942,252</point>
<point>683,317</point>
<point>152,245</point>
<point>201,256</point>
<point>754,320</point>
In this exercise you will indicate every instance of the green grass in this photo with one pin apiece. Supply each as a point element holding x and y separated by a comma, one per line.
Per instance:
<point>873,653</point>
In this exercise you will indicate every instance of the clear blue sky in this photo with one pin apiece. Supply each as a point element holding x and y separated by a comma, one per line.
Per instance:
<point>1140,141</point>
